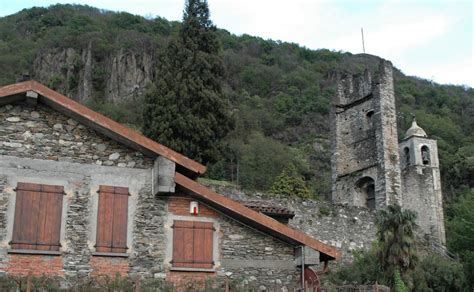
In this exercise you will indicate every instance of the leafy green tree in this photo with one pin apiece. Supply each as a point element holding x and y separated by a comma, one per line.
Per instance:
<point>395,232</point>
<point>186,108</point>
<point>460,231</point>
<point>399,285</point>
<point>441,274</point>
<point>290,183</point>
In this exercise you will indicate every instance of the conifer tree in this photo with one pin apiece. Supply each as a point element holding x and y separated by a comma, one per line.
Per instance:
<point>186,109</point>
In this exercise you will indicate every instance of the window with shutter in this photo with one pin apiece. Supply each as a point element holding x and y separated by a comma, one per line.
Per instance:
<point>37,221</point>
<point>112,217</point>
<point>192,244</point>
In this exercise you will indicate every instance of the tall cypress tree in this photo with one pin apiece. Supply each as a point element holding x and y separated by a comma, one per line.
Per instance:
<point>185,108</point>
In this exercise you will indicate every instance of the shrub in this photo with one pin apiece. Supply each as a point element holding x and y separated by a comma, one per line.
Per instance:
<point>290,183</point>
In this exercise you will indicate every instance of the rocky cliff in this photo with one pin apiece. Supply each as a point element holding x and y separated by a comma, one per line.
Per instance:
<point>81,74</point>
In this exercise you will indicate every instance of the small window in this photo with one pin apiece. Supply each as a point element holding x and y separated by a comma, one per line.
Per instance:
<point>112,215</point>
<point>369,119</point>
<point>406,152</point>
<point>366,190</point>
<point>193,244</point>
<point>37,221</point>
<point>425,155</point>
<point>371,196</point>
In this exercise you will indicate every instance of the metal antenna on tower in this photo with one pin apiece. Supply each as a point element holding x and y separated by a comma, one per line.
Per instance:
<point>363,45</point>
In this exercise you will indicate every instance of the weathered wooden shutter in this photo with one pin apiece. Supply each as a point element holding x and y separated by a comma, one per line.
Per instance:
<point>193,244</point>
<point>37,222</point>
<point>112,219</point>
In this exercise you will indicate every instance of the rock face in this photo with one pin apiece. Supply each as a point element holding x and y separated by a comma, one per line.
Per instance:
<point>83,74</point>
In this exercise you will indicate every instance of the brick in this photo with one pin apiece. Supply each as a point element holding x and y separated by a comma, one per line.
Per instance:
<point>109,266</point>
<point>37,265</point>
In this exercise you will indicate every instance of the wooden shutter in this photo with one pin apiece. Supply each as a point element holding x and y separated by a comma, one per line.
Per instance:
<point>193,244</point>
<point>37,221</point>
<point>112,220</point>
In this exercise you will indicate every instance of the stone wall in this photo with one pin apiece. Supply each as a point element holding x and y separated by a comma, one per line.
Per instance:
<point>245,256</point>
<point>78,225</point>
<point>345,227</point>
<point>257,259</point>
<point>364,139</point>
<point>77,254</point>
<point>148,237</point>
<point>43,133</point>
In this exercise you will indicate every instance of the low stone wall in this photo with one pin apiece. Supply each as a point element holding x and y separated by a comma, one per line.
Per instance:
<point>347,228</point>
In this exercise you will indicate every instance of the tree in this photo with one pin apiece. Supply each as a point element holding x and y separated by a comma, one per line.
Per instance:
<point>290,183</point>
<point>395,232</point>
<point>460,229</point>
<point>186,108</point>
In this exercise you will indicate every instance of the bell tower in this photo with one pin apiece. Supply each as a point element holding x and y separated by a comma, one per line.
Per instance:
<point>421,181</point>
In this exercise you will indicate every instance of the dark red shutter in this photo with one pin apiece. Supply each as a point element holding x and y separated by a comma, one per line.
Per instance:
<point>112,219</point>
<point>37,222</point>
<point>192,244</point>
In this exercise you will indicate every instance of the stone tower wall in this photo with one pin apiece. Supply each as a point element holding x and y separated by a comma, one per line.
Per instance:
<point>364,139</point>
<point>386,138</point>
<point>422,186</point>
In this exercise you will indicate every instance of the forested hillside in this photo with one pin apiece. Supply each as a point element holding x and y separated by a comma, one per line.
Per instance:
<point>279,92</point>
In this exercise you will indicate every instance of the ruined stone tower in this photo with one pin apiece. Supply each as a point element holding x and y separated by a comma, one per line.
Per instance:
<point>421,182</point>
<point>366,169</point>
<point>365,162</point>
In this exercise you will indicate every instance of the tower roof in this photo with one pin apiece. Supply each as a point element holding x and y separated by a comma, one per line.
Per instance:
<point>415,130</point>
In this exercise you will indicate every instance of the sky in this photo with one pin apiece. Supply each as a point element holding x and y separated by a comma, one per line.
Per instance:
<point>432,39</point>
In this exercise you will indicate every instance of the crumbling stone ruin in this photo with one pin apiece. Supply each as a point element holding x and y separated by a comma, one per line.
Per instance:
<point>370,167</point>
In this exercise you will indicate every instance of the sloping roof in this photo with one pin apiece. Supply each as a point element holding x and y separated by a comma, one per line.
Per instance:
<point>270,210</point>
<point>98,122</point>
<point>122,134</point>
<point>254,218</point>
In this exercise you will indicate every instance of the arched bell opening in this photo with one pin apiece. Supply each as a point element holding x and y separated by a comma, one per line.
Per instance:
<point>425,155</point>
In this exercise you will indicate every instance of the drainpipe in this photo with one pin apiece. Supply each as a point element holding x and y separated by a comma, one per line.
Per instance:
<point>302,267</point>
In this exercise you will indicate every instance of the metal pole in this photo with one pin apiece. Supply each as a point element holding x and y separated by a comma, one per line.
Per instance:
<point>363,44</point>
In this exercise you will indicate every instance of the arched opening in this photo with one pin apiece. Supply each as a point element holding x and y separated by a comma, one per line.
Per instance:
<point>406,152</point>
<point>366,188</point>
<point>369,119</point>
<point>425,155</point>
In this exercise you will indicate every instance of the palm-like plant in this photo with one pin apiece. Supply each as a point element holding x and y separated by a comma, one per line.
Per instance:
<point>396,237</point>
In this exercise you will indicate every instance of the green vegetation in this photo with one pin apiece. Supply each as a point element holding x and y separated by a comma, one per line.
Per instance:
<point>277,91</point>
<point>186,108</point>
<point>279,94</point>
<point>460,232</point>
<point>395,232</point>
<point>393,260</point>
<point>290,183</point>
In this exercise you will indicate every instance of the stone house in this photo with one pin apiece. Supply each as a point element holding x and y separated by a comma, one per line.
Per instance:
<point>82,195</point>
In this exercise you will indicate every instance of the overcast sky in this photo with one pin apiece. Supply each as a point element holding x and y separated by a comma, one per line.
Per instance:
<point>432,39</point>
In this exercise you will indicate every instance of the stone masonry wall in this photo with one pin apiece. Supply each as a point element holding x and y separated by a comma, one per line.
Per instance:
<point>80,181</point>
<point>388,187</point>
<point>246,256</point>
<point>43,133</point>
<point>257,259</point>
<point>3,220</point>
<point>148,237</point>
<point>345,227</point>
<point>363,136</point>
<point>77,254</point>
